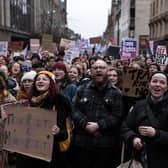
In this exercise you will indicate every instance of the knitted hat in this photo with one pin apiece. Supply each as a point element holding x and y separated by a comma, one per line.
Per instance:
<point>60,65</point>
<point>48,73</point>
<point>29,76</point>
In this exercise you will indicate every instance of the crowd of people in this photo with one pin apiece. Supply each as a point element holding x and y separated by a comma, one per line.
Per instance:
<point>89,93</point>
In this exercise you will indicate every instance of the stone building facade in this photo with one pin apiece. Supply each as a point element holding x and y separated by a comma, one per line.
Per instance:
<point>23,19</point>
<point>130,18</point>
<point>159,21</point>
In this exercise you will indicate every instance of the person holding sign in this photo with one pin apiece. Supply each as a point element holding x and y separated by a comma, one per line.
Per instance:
<point>44,94</point>
<point>146,127</point>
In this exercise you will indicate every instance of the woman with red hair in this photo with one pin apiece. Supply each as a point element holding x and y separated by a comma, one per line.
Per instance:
<point>44,94</point>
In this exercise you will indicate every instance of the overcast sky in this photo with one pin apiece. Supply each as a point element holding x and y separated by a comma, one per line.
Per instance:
<point>88,17</point>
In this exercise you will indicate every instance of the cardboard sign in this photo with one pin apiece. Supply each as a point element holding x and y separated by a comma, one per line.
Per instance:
<point>161,55</point>
<point>28,131</point>
<point>34,45</point>
<point>128,48</point>
<point>135,82</point>
<point>47,40</point>
<point>3,48</point>
<point>66,43</point>
<point>15,45</point>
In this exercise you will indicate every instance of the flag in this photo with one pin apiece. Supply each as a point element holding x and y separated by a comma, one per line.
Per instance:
<point>25,52</point>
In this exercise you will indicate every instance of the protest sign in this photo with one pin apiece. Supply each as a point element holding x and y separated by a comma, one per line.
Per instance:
<point>47,40</point>
<point>66,43</point>
<point>27,131</point>
<point>161,55</point>
<point>128,48</point>
<point>15,45</point>
<point>135,82</point>
<point>34,45</point>
<point>3,48</point>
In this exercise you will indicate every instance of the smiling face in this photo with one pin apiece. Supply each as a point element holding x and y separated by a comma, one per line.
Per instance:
<point>42,83</point>
<point>158,85</point>
<point>112,76</point>
<point>59,74</point>
<point>73,74</point>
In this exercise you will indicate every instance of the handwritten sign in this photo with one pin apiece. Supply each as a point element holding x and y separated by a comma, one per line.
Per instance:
<point>28,131</point>
<point>135,82</point>
<point>66,43</point>
<point>47,40</point>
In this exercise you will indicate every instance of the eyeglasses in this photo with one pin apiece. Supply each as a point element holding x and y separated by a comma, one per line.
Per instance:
<point>99,67</point>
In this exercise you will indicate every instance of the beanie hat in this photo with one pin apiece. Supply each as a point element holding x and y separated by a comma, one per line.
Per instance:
<point>60,65</point>
<point>35,55</point>
<point>28,76</point>
<point>48,73</point>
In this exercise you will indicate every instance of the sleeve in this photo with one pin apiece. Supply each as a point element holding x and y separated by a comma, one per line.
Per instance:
<point>63,108</point>
<point>79,118</point>
<point>128,128</point>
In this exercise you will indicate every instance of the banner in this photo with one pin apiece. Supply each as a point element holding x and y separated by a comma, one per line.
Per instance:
<point>66,43</point>
<point>3,48</point>
<point>15,45</point>
<point>128,49</point>
<point>47,40</point>
<point>161,55</point>
<point>135,82</point>
<point>34,45</point>
<point>28,131</point>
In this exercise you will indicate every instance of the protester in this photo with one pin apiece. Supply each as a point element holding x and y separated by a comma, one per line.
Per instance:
<point>74,75</point>
<point>67,88</point>
<point>5,97</point>
<point>11,83</point>
<point>97,114</point>
<point>146,126</point>
<point>44,95</point>
<point>114,75</point>
<point>153,67</point>
<point>26,83</point>
<point>16,73</point>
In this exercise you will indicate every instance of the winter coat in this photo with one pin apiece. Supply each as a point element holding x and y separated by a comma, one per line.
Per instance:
<point>156,147</point>
<point>101,106</point>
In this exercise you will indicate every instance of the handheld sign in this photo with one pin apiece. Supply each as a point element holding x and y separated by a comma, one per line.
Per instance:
<point>135,82</point>
<point>27,131</point>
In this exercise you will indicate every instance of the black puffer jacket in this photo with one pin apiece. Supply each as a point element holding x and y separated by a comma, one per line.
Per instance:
<point>101,106</point>
<point>156,147</point>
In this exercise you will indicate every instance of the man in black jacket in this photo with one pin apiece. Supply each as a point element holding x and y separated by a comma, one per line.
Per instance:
<point>97,118</point>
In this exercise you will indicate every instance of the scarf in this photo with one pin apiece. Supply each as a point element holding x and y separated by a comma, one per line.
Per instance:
<point>40,99</point>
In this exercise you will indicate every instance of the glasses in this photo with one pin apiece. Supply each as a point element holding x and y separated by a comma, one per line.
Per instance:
<point>99,67</point>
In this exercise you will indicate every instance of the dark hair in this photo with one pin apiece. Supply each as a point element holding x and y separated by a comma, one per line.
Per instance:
<point>119,76</point>
<point>154,63</point>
